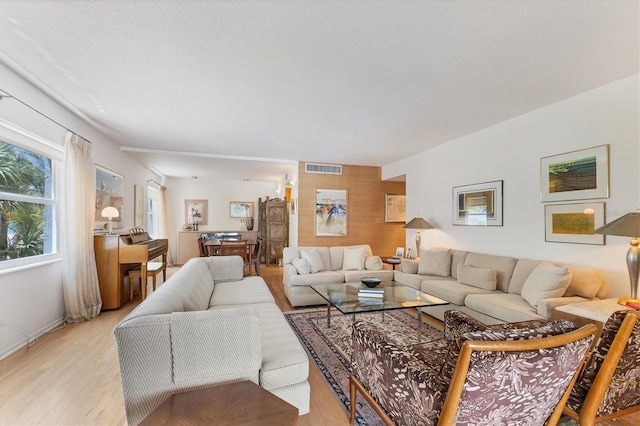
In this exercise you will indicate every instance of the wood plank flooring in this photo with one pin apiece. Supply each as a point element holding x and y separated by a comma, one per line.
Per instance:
<point>71,376</point>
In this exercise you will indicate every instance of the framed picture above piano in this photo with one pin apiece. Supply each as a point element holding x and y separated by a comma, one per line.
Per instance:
<point>109,193</point>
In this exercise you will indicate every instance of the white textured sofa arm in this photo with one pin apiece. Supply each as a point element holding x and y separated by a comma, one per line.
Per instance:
<point>168,353</point>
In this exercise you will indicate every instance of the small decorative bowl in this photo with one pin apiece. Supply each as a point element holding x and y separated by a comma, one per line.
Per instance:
<point>370,281</point>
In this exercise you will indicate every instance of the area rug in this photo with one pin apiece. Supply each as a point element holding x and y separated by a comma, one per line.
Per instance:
<point>330,348</point>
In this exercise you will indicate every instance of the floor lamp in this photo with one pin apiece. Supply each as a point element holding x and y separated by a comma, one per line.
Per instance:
<point>627,226</point>
<point>418,223</point>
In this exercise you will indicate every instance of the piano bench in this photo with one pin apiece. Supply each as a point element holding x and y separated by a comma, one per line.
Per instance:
<point>153,269</point>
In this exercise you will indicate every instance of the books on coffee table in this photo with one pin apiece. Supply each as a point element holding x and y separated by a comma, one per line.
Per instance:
<point>371,292</point>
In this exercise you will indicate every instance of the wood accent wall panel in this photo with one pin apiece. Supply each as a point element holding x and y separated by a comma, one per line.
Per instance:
<point>365,204</point>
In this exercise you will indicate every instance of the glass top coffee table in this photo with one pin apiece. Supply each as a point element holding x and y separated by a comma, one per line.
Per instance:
<point>345,298</point>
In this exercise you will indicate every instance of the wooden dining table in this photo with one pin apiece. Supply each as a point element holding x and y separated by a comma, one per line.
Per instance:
<point>213,248</point>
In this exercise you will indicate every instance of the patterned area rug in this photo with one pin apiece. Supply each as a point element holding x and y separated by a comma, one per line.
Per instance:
<point>330,348</point>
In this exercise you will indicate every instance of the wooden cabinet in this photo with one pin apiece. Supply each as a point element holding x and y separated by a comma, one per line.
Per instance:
<point>187,246</point>
<point>274,228</point>
<point>110,272</point>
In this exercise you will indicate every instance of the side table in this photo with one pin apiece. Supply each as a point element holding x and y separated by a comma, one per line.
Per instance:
<point>592,312</point>
<point>389,260</point>
<point>243,403</point>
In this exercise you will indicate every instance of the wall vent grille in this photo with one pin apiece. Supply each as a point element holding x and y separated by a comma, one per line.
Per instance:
<point>329,169</point>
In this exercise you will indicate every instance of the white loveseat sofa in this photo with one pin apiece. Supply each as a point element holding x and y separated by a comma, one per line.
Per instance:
<point>208,325</point>
<point>304,266</point>
<point>498,289</point>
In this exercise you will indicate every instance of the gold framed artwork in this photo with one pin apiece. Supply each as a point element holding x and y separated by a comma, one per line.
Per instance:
<point>395,208</point>
<point>195,212</point>
<point>574,223</point>
<point>479,204</point>
<point>575,175</point>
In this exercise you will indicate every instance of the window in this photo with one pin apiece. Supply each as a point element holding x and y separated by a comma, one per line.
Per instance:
<point>153,213</point>
<point>27,201</point>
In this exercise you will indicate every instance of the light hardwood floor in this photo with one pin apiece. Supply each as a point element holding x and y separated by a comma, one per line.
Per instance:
<point>71,376</point>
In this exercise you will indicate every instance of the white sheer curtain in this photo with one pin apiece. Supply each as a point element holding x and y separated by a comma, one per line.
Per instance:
<point>79,277</point>
<point>163,220</point>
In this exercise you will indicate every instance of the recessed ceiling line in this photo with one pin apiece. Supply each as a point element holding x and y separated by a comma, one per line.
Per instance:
<point>201,154</point>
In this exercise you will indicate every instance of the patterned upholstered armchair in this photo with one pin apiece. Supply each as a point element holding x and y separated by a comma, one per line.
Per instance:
<point>478,374</point>
<point>609,386</point>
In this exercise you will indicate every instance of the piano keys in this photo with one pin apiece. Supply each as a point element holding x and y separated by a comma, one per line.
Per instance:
<point>116,255</point>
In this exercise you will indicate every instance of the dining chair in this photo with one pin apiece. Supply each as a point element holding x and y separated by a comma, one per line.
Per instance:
<point>255,256</point>
<point>236,248</point>
<point>202,247</point>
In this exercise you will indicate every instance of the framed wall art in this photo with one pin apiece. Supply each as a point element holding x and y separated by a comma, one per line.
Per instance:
<point>478,204</point>
<point>109,193</point>
<point>241,209</point>
<point>195,211</point>
<point>331,213</point>
<point>395,208</point>
<point>576,175</point>
<point>574,223</point>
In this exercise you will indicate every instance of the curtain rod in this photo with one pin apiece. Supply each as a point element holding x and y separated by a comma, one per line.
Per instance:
<point>7,95</point>
<point>159,184</point>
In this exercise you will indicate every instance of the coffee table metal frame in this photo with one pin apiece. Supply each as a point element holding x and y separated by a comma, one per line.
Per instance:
<point>344,297</point>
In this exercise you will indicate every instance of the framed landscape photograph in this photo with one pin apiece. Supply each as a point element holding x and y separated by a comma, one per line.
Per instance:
<point>576,175</point>
<point>478,204</point>
<point>395,208</point>
<point>331,213</point>
<point>574,223</point>
<point>109,193</point>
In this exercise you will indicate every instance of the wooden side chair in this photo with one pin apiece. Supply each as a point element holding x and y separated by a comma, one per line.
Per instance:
<point>255,256</point>
<point>477,377</point>
<point>153,269</point>
<point>608,386</point>
<point>203,249</point>
<point>236,248</point>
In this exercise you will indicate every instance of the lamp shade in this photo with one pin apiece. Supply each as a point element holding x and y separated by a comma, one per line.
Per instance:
<point>625,226</point>
<point>418,223</point>
<point>110,212</point>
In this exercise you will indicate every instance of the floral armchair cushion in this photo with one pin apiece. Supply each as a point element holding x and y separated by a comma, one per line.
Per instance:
<point>410,382</point>
<point>622,391</point>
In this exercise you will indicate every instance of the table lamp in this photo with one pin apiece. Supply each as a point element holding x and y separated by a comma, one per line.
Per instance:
<point>627,226</point>
<point>418,223</point>
<point>110,213</point>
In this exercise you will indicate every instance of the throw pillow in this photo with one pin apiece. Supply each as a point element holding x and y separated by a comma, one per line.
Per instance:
<point>435,261</point>
<point>477,277</point>
<point>585,282</point>
<point>301,266</point>
<point>312,256</point>
<point>353,259</point>
<point>545,281</point>
<point>373,263</point>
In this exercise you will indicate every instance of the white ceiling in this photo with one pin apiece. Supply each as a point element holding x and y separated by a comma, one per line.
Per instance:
<point>349,82</point>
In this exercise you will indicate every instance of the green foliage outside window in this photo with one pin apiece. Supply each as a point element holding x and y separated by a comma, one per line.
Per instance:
<point>25,223</point>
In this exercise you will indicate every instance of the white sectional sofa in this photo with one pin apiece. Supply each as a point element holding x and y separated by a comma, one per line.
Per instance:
<point>208,325</point>
<point>304,266</point>
<point>498,289</point>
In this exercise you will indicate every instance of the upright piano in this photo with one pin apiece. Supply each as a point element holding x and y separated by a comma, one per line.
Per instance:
<point>116,255</point>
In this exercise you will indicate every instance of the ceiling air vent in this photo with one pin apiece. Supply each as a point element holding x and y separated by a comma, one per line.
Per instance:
<point>329,169</point>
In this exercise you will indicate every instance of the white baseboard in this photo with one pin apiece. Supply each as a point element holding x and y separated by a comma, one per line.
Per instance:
<point>22,343</point>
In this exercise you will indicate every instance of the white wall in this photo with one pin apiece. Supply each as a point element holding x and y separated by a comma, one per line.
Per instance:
<point>31,300</point>
<point>511,151</point>
<point>218,193</point>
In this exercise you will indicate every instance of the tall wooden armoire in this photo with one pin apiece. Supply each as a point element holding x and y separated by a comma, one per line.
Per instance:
<point>273,228</point>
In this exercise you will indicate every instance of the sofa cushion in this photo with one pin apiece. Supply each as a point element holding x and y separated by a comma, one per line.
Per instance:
<point>322,277</point>
<point>521,272</point>
<point>353,259</point>
<point>435,261</point>
<point>506,307</point>
<point>457,257</point>
<point>501,264</point>
<point>247,291</point>
<point>546,281</point>
<point>373,263</point>
<point>408,266</point>
<point>585,282</point>
<point>477,277</point>
<point>301,266</point>
<point>312,256</point>
<point>449,290</point>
